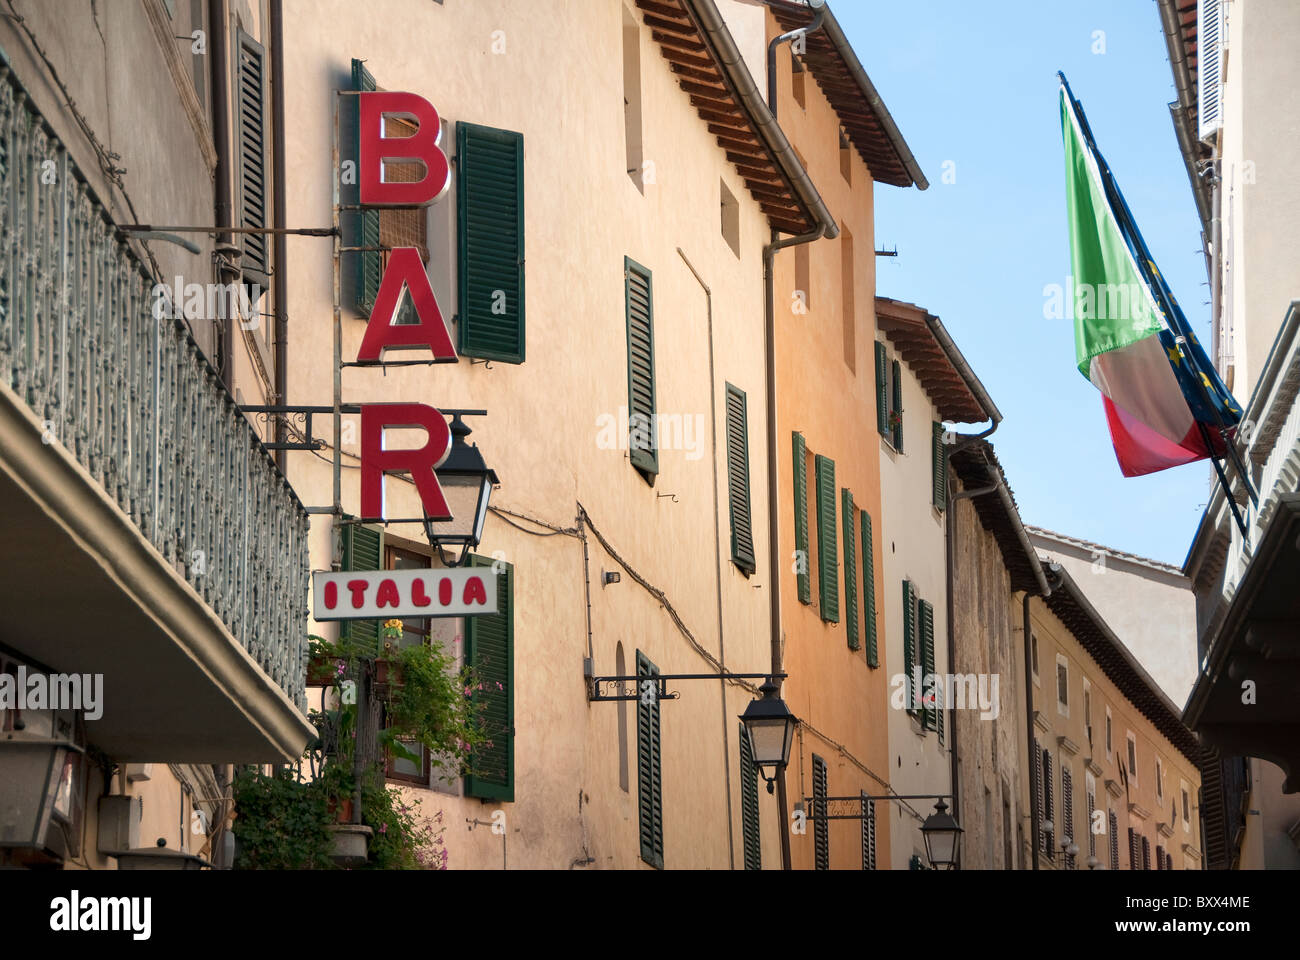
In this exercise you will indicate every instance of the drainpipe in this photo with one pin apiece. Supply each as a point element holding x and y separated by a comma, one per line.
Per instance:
<point>218,21</point>
<point>280,279</point>
<point>826,227</point>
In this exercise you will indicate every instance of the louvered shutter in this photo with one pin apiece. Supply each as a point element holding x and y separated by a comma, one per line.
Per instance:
<point>749,804</point>
<point>821,826</point>
<point>254,188</point>
<point>490,230</point>
<point>1113,825</point>
<point>882,390</point>
<point>1160,857</point>
<point>938,466</point>
<point>742,532</point>
<point>490,652</point>
<point>909,647</point>
<point>896,408</point>
<point>849,513</point>
<point>869,590</point>
<point>1067,812</point>
<point>1092,837</point>
<point>1146,854</point>
<point>363,549</point>
<point>648,765</point>
<point>367,264</point>
<point>640,368</point>
<point>868,832</point>
<point>1210,37</point>
<point>1049,836</point>
<point>802,559</point>
<point>1036,784</point>
<point>940,718</point>
<point>1134,853</point>
<point>828,568</point>
<point>926,611</point>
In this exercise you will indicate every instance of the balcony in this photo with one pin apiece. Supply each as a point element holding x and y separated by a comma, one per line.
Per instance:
<point>145,533</point>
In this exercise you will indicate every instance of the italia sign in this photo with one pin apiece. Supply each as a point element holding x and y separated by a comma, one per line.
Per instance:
<point>376,594</point>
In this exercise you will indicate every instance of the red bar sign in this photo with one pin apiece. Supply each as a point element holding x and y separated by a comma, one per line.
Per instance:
<point>381,594</point>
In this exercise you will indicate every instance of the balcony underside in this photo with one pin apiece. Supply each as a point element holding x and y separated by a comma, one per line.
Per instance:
<point>81,590</point>
<point>1256,656</point>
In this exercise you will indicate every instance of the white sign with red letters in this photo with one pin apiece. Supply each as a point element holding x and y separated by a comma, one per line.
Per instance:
<point>381,594</point>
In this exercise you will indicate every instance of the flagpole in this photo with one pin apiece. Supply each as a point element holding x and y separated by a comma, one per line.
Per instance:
<point>1174,319</point>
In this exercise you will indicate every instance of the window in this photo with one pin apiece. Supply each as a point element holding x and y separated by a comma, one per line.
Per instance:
<point>797,74</point>
<point>1049,828</point>
<point>1087,710</point>
<point>1160,782</point>
<point>869,590</point>
<point>490,242</point>
<point>1033,658</point>
<point>749,804</point>
<point>620,667</point>
<point>846,159</point>
<point>827,548</point>
<point>490,653</point>
<point>1067,814</point>
<point>868,832</point>
<point>1062,685</point>
<point>649,778</point>
<point>254,188</point>
<point>889,398</point>
<point>742,532</point>
<point>938,466</point>
<point>1112,824</point>
<point>730,218</point>
<point>1109,749</point>
<point>642,442</point>
<point>847,283</point>
<point>1187,807</point>
<point>1132,759</point>
<point>632,98</point>
<point>415,631</point>
<point>849,513</point>
<point>821,826</point>
<point>799,460</point>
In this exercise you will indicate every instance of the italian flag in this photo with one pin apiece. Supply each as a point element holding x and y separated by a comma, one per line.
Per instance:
<point>1164,402</point>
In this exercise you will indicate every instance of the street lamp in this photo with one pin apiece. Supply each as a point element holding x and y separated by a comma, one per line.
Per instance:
<point>942,837</point>
<point>39,757</point>
<point>466,482</point>
<point>769,725</point>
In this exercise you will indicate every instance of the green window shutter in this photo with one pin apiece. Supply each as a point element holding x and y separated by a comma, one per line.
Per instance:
<point>254,189</point>
<point>897,407</point>
<point>849,514</point>
<point>649,778</point>
<point>742,531</point>
<point>926,611</point>
<point>909,645</point>
<point>363,549</point>
<point>639,294</point>
<point>868,832</point>
<point>367,264</point>
<point>749,804</point>
<point>869,590</point>
<point>939,466</point>
<point>827,551</point>
<point>490,652</point>
<point>821,826</point>
<point>800,457</point>
<point>490,232</point>
<point>882,390</point>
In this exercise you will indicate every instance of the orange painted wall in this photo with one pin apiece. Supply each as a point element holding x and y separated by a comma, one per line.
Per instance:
<point>841,701</point>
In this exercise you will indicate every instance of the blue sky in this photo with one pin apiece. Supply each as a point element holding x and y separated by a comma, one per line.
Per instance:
<point>980,91</point>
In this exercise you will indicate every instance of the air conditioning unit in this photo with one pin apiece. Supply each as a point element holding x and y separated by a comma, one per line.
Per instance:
<point>1211,46</point>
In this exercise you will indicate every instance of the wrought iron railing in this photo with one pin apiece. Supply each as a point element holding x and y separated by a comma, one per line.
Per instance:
<point>136,402</point>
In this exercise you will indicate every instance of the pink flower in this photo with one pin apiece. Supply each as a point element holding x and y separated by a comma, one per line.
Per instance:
<point>467,691</point>
<point>383,828</point>
<point>500,686</point>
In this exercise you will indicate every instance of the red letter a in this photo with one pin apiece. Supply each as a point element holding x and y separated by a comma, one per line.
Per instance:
<point>406,270</point>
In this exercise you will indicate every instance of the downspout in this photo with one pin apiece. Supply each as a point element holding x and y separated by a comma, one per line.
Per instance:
<point>280,279</point>
<point>218,22</point>
<point>717,557</point>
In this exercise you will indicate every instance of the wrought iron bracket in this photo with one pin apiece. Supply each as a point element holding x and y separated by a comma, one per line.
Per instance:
<point>658,685</point>
<point>842,808</point>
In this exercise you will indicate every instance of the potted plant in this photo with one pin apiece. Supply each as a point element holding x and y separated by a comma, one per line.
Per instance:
<point>388,666</point>
<point>325,665</point>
